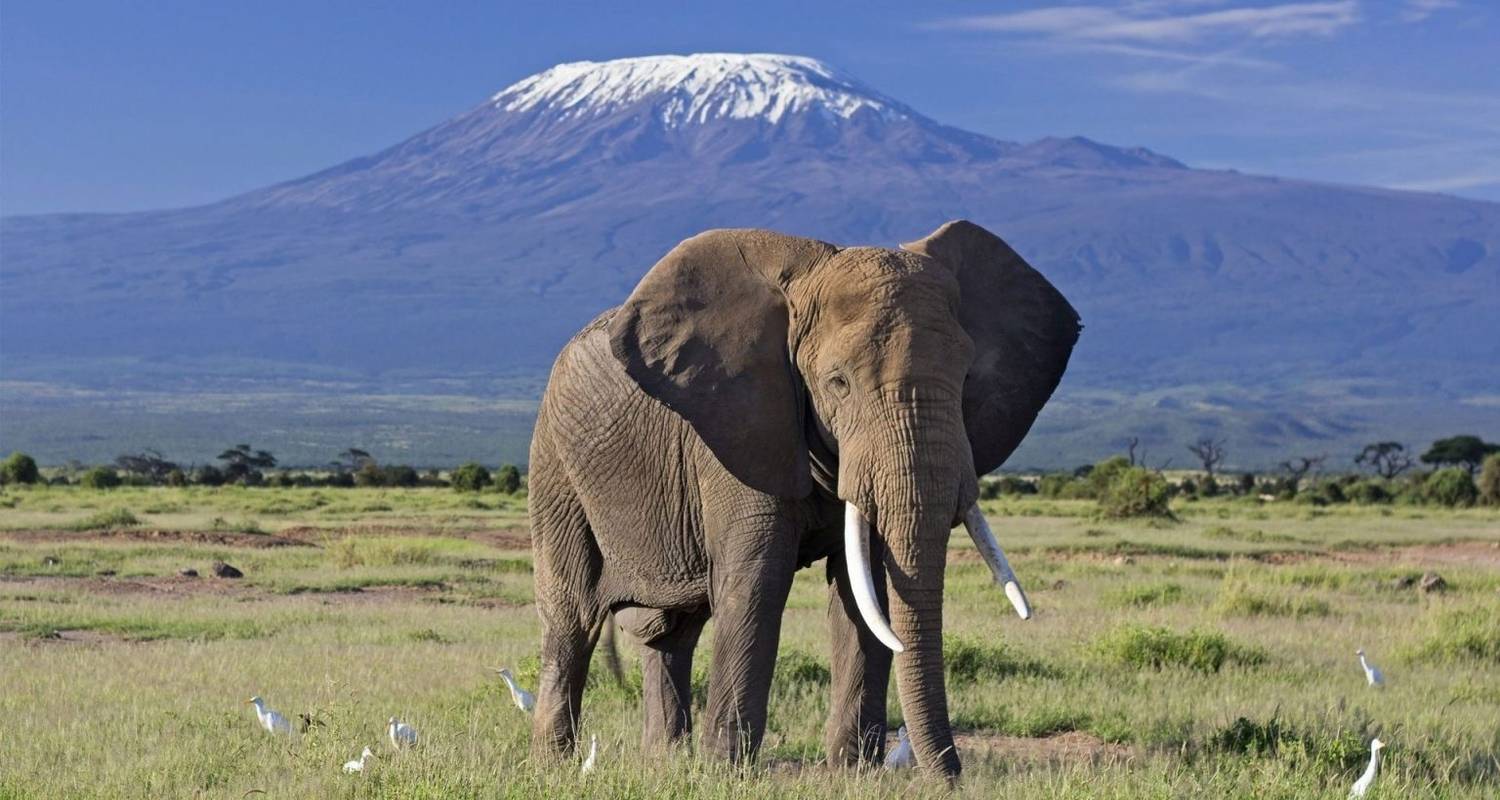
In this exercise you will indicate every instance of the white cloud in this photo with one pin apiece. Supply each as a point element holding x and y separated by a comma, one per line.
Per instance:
<point>1418,10</point>
<point>1147,22</point>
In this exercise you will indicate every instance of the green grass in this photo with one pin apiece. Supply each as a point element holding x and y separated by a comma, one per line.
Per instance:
<point>1216,653</point>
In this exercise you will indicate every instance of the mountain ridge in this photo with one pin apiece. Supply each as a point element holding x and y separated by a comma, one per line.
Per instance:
<point>482,242</point>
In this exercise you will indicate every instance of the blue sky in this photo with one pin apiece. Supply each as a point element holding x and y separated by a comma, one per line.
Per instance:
<point>127,106</point>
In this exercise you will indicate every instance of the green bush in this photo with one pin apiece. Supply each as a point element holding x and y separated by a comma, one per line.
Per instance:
<point>1103,475</point>
<point>100,478</point>
<point>104,520</point>
<point>1472,633</point>
<point>1489,480</point>
<point>470,477</point>
<point>1158,648</point>
<point>1368,492</point>
<point>19,468</point>
<point>1136,492</point>
<point>794,666</point>
<point>968,661</point>
<point>1055,485</point>
<point>508,479</point>
<point>1450,486</point>
<point>1239,599</point>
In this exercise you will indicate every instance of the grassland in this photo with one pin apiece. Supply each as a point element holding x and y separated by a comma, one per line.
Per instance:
<point>1210,657</point>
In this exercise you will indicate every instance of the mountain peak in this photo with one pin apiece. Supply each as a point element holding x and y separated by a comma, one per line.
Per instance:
<point>686,89</point>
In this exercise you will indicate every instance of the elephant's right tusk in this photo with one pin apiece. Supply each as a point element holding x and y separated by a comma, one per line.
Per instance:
<point>857,564</point>
<point>989,548</point>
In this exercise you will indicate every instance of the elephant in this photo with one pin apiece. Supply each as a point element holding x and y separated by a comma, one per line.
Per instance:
<point>761,402</point>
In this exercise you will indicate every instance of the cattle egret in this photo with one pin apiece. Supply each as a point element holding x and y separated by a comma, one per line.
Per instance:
<point>351,767</point>
<point>402,735</point>
<point>269,719</point>
<point>1363,784</point>
<point>1372,673</point>
<point>588,763</point>
<point>901,755</point>
<point>524,700</point>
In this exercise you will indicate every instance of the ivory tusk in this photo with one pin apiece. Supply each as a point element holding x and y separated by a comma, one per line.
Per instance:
<point>989,548</point>
<point>857,564</point>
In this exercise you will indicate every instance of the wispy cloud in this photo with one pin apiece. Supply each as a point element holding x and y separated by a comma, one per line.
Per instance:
<point>1418,10</point>
<point>1157,23</point>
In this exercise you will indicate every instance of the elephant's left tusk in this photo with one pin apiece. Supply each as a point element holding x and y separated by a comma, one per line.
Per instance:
<point>989,548</point>
<point>861,583</point>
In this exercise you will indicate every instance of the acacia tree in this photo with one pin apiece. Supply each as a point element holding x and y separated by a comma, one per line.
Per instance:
<point>244,465</point>
<point>1209,452</point>
<point>1462,451</point>
<point>148,463</point>
<point>1387,459</point>
<point>1298,468</point>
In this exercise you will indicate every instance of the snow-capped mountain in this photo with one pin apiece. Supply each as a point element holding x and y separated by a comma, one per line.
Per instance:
<point>480,244</point>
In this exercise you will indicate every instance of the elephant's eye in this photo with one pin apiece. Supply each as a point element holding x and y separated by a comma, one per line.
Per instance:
<point>838,385</point>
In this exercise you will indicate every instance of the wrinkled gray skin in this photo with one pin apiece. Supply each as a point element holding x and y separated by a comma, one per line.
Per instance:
<point>696,445</point>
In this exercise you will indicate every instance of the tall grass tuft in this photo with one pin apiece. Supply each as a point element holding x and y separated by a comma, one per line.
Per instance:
<point>1158,648</point>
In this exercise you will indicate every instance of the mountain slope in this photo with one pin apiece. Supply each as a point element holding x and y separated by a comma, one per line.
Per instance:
<point>480,244</point>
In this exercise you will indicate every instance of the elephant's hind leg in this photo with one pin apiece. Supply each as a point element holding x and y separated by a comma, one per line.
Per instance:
<point>566,574</point>
<point>668,639</point>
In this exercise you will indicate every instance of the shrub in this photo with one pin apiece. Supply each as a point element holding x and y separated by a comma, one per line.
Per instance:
<point>1136,492</point>
<point>177,477</point>
<point>208,475</point>
<point>1368,493</point>
<point>19,468</point>
<point>508,479</point>
<point>1103,475</point>
<point>1472,633</point>
<point>1238,599</point>
<point>1450,486</point>
<point>100,478</point>
<point>1489,480</point>
<point>104,520</point>
<point>400,475</point>
<point>1246,484</point>
<point>1208,487</point>
<point>796,666</point>
<point>470,477</point>
<point>1158,648</point>
<point>1055,485</point>
<point>968,661</point>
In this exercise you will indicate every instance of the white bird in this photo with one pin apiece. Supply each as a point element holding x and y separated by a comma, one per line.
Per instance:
<point>402,735</point>
<point>588,763</point>
<point>272,721</point>
<point>351,767</point>
<point>1363,784</point>
<point>1373,674</point>
<point>524,700</point>
<point>901,756</point>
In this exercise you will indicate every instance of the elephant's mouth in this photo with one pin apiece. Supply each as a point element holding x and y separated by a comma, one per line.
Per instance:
<point>857,559</point>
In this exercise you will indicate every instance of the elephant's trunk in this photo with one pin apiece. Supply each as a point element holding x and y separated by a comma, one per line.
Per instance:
<point>913,483</point>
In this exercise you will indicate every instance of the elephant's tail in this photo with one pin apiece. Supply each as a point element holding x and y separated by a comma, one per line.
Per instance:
<point>611,650</point>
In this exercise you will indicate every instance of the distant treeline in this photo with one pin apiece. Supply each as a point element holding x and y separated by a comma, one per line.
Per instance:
<point>1463,471</point>
<point>243,465</point>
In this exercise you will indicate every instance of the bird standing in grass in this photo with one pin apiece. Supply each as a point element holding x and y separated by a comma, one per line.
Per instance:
<point>1373,675</point>
<point>588,763</point>
<point>272,721</point>
<point>402,735</point>
<point>1363,784</point>
<point>524,700</point>
<point>351,767</point>
<point>901,756</point>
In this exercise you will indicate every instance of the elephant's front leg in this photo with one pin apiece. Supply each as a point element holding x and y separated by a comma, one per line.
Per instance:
<point>861,669</point>
<point>749,597</point>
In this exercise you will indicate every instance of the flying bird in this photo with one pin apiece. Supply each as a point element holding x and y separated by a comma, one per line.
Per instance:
<point>1373,675</point>
<point>1363,784</point>
<point>524,700</point>
<point>272,721</point>
<point>402,735</point>
<point>901,756</point>
<point>588,763</point>
<point>358,765</point>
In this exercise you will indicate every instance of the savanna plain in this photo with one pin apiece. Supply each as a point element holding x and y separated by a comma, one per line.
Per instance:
<point>1208,656</point>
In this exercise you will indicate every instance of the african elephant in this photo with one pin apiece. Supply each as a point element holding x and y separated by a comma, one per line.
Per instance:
<point>760,402</point>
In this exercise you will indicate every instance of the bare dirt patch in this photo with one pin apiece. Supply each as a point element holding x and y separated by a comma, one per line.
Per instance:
<point>1467,554</point>
<point>1070,747</point>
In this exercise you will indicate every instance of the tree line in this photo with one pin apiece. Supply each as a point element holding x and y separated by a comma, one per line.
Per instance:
<point>243,465</point>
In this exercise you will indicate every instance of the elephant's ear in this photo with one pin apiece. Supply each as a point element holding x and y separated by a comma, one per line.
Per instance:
<point>705,332</point>
<point>1023,331</point>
